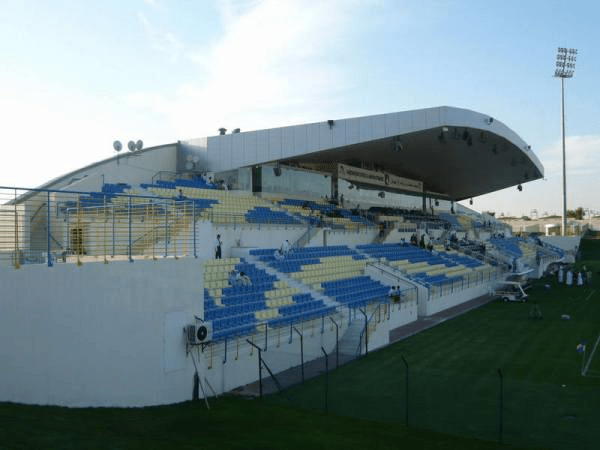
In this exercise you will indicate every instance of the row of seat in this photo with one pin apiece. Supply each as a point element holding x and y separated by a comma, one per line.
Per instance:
<point>301,315</point>
<point>240,310</point>
<point>261,214</point>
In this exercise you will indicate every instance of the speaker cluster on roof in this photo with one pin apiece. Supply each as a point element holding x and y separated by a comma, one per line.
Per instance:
<point>132,146</point>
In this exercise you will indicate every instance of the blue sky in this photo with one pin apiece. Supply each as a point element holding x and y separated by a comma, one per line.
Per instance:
<point>77,75</point>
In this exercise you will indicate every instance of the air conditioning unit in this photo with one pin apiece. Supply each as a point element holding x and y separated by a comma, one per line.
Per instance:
<point>199,333</point>
<point>203,332</point>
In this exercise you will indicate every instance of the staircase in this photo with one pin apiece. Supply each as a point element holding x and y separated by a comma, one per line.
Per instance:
<point>380,238</point>
<point>348,344</point>
<point>310,233</point>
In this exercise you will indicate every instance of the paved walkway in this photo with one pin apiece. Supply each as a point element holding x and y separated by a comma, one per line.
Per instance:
<point>316,367</point>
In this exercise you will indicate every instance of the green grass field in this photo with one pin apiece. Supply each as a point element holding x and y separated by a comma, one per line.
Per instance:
<point>454,385</point>
<point>453,396</point>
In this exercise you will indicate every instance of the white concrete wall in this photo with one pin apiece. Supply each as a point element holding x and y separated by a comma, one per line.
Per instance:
<point>255,236</point>
<point>98,334</point>
<point>342,237</point>
<point>430,306</point>
<point>381,323</point>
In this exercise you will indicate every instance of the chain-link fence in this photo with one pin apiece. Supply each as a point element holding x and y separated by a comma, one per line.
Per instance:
<point>493,407</point>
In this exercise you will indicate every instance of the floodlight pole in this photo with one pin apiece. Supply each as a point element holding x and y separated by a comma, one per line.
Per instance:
<point>565,67</point>
<point>564,160</point>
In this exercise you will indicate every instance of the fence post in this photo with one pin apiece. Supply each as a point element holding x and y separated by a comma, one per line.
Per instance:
<point>166,229</point>
<point>406,390</point>
<point>112,208</point>
<point>105,218</point>
<point>16,259</point>
<point>337,346</point>
<point>500,406</point>
<point>260,386</point>
<point>49,233</point>
<point>326,377</point>
<point>366,331</point>
<point>194,227</point>
<point>301,352</point>
<point>129,249</point>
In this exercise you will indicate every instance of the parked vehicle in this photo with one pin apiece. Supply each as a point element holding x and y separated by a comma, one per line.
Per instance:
<point>510,291</point>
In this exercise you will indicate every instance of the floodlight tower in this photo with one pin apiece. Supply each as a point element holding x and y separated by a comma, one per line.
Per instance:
<point>565,67</point>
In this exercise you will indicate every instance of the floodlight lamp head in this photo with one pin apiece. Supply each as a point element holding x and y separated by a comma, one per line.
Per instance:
<point>131,146</point>
<point>490,120</point>
<point>117,146</point>
<point>139,144</point>
<point>520,188</point>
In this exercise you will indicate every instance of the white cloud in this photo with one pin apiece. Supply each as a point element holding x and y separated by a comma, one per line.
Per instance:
<point>581,156</point>
<point>164,42</point>
<point>273,56</point>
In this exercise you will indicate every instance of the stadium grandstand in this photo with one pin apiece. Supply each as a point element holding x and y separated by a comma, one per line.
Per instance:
<point>133,280</point>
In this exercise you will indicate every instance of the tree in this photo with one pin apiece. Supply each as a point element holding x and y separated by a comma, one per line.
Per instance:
<point>575,214</point>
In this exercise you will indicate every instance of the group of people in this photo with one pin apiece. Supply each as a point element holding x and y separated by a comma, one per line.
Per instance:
<point>237,278</point>
<point>572,278</point>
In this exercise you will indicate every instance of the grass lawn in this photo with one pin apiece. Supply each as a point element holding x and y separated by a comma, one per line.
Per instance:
<point>231,423</point>
<point>454,384</point>
<point>454,388</point>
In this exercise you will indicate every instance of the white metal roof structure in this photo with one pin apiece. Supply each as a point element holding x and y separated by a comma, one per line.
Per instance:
<point>456,153</point>
<point>453,153</point>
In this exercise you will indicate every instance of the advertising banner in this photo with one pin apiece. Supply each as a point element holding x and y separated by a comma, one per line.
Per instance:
<point>382,179</point>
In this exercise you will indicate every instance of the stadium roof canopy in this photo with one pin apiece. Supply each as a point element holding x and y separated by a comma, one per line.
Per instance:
<point>456,153</point>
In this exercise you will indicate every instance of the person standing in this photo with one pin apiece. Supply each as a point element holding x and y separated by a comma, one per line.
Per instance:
<point>218,245</point>
<point>569,278</point>
<point>285,247</point>
<point>580,278</point>
<point>561,275</point>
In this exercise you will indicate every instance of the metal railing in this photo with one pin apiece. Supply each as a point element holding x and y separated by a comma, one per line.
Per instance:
<point>473,279</point>
<point>48,226</point>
